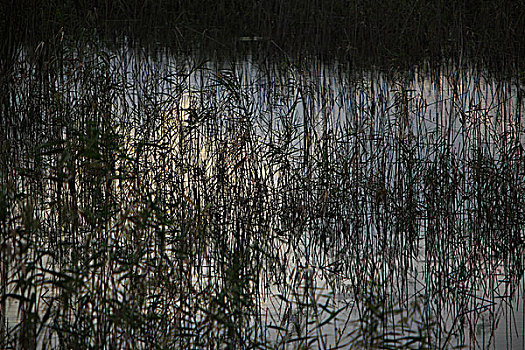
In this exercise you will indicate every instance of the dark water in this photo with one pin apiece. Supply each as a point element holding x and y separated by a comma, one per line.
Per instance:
<point>157,200</point>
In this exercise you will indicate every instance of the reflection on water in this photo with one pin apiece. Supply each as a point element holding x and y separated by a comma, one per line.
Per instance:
<point>183,203</point>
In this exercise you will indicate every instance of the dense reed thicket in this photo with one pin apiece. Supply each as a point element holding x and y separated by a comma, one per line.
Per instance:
<point>183,174</point>
<point>363,31</point>
<point>168,202</point>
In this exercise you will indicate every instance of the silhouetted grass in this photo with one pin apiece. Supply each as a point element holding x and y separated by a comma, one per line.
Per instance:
<point>158,201</point>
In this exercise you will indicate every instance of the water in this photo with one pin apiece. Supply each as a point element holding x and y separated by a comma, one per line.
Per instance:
<point>189,202</point>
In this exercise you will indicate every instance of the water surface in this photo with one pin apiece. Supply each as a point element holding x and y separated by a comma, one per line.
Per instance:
<point>190,202</point>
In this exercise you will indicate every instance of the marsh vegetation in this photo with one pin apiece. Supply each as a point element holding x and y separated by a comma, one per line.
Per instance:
<point>232,189</point>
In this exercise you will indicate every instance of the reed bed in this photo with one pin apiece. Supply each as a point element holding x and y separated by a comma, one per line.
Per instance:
<point>158,201</point>
<point>377,32</point>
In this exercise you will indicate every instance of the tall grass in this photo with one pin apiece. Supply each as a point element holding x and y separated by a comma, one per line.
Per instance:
<point>160,202</point>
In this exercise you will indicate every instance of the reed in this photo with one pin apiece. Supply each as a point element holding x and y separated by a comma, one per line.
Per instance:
<point>152,200</point>
<point>378,32</point>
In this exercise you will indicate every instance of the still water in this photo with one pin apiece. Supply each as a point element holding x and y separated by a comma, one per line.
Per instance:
<point>197,202</point>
